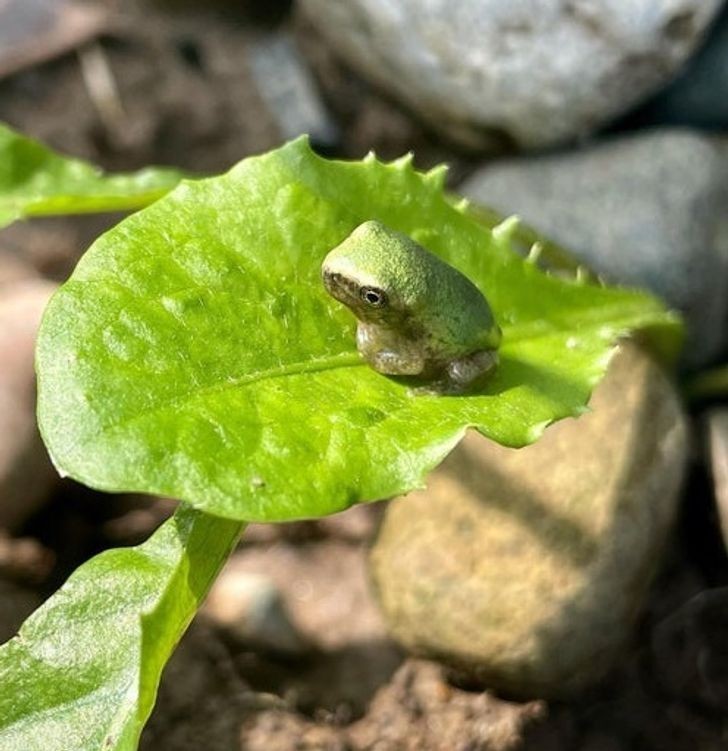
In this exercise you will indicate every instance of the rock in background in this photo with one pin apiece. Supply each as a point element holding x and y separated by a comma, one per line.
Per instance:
<point>532,73</point>
<point>525,569</point>
<point>26,474</point>
<point>646,210</point>
<point>698,97</point>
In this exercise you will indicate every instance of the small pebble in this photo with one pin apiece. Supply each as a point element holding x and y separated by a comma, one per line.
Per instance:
<point>250,607</point>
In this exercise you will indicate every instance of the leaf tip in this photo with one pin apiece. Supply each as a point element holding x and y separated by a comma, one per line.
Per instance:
<point>302,141</point>
<point>534,253</point>
<point>462,205</point>
<point>300,146</point>
<point>504,232</point>
<point>435,177</point>
<point>535,431</point>
<point>404,162</point>
<point>603,362</point>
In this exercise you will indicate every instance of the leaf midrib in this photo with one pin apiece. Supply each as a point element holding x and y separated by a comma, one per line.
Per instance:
<point>343,360</point>
<point>347,359</point>
<point>332,362</point>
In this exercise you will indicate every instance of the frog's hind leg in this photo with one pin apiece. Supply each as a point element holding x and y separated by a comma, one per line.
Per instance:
<point>465,373</point>
<point>462,375</point>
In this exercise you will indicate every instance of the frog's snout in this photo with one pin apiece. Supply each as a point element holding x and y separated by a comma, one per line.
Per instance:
<point>330,279</point>
<point>339,286</point>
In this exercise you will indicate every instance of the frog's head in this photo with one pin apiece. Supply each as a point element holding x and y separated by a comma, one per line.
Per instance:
<point>376,272</point>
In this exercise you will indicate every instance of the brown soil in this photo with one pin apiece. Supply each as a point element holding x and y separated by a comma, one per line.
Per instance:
<point>354,690</point>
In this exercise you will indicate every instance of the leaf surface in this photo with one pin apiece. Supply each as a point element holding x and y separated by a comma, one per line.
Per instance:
<point>195,353</point>
<point>35,181</point>
<point>83,672</point>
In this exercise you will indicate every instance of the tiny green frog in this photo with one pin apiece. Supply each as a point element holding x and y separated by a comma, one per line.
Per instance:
<point>417,316</point>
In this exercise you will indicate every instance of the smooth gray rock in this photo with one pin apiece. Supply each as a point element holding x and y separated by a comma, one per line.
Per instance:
<point>648,210</point>
<point>287,87</point>
<point>526,568</point>
<point>531,72</point>
<point>26,474</point>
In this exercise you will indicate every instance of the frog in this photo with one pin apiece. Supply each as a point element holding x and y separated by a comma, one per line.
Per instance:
<point>417,316</point>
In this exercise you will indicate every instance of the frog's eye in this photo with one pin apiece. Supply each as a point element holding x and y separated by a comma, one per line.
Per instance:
<point>373,297</point>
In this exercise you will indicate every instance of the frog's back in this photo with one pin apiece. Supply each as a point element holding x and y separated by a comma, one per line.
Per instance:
<point>459,314</point>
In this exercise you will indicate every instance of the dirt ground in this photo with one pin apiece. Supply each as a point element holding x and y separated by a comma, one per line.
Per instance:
<point>189,100</point>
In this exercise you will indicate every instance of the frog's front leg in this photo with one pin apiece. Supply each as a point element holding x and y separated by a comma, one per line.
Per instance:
<point>395,363</point>
<point>396,357</point>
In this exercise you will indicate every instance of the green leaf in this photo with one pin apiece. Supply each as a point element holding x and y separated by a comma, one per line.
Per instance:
<point>550,254</point>
<point>83,672</point>
<point>194,352</point>
<point>34,181</point>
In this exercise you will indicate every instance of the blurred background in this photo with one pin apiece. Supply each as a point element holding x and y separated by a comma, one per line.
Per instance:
<point>603,125</point>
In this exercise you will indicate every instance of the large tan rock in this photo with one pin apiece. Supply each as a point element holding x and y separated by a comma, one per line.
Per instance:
<point>526,568</point>
<point>26,474</point>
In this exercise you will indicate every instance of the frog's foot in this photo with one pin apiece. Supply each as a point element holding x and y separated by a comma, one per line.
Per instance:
<point>462,375</point>
<point>469,371</point>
